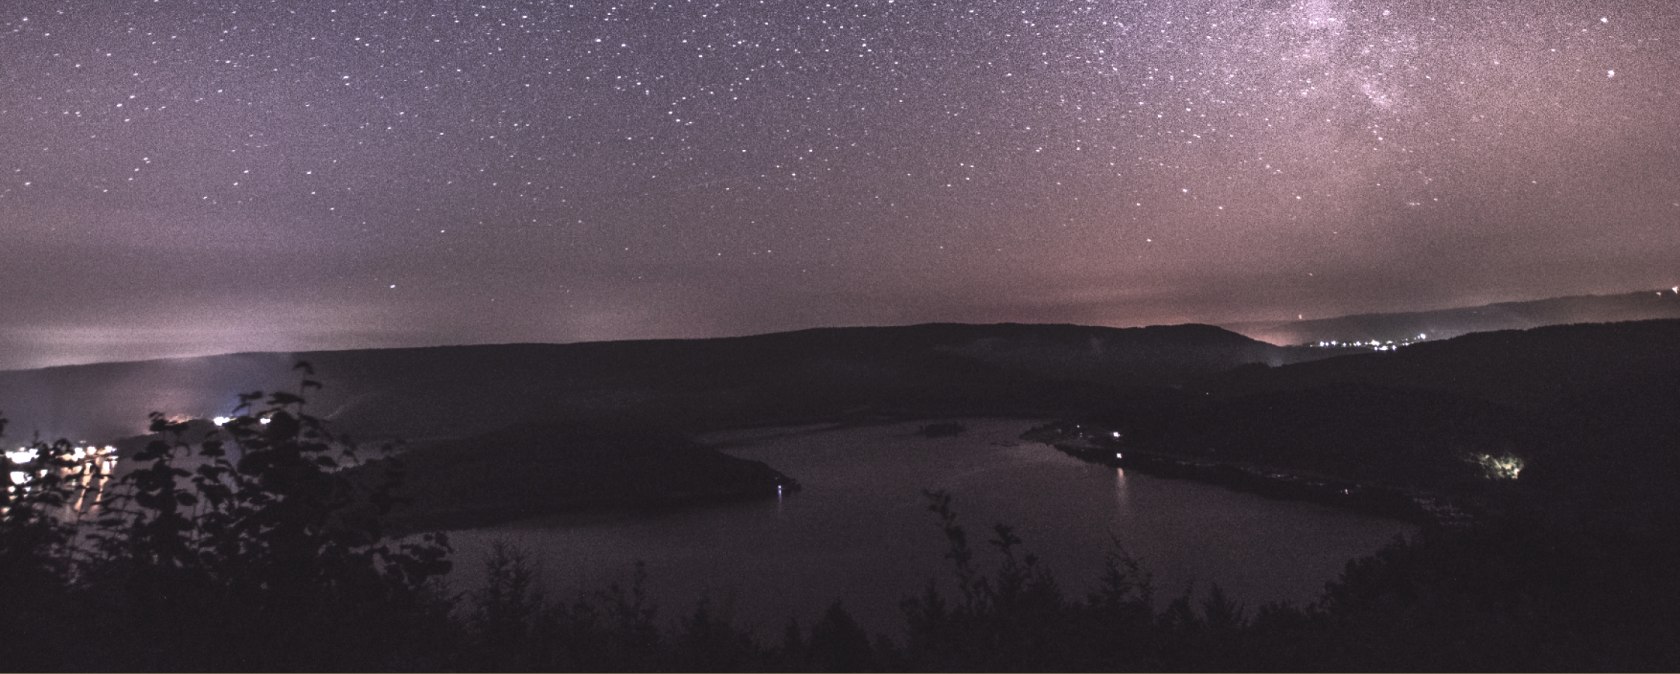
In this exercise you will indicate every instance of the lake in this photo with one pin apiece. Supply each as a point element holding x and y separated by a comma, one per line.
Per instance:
<point>860,530</point>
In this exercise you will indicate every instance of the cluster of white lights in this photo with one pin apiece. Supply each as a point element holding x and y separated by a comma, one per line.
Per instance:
<point>1502,467</point>
<point>223,421</point>
<point>1374,345</point>
<point>85,459</point>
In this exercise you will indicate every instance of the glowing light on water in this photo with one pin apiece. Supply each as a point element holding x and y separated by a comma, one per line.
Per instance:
<point>1122,496</point>
<point>91,464</point>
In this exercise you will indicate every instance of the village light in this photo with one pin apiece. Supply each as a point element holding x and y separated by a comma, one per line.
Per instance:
<point>223,421</point>
<point>22,455</point>
<point>1502,467</point>
<point>93,465</point>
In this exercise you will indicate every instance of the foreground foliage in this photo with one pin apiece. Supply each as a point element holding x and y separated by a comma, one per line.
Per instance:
<point>249,549</point>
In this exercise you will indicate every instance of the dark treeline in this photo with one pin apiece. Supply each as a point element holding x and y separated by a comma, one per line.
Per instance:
<point>251,549</point>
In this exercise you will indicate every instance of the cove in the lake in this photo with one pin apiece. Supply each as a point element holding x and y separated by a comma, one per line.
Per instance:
<point>860,531</point>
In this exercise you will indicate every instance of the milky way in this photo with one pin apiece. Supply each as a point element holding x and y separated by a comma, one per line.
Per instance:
<point>191,177</point>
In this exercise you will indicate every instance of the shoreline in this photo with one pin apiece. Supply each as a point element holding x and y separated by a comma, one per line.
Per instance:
<point>1405,504</point>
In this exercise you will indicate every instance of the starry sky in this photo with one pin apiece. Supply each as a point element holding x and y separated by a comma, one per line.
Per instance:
<point>192,176</point>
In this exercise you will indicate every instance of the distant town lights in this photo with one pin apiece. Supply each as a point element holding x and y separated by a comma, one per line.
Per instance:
<point>223,421</point>
<point>82,459</point>
<point>1374,345</point>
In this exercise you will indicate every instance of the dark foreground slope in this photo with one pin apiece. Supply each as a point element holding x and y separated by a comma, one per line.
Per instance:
<point>688,384</point>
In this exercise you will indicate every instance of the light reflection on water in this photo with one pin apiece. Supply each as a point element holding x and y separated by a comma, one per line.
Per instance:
<point>1120,498</point>
<point>86,469</point>
<point>860,530</point>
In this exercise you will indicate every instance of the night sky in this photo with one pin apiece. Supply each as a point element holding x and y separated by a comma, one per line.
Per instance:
<point>181,177</point>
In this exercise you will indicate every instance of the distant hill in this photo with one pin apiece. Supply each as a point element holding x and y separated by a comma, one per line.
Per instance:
<point>1590,408</point>
<point>1448,323</point>
<point>691,385</point>
<point>1521,368</point>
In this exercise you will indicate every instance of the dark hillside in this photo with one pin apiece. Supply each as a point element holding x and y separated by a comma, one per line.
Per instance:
<point>1584,413</point>
<point>1448,323</point>
<point>938,369</point>
<point>1525,368</point>
<point>1612,455</point>
<point>531,470</point>
<point>1360,432</point>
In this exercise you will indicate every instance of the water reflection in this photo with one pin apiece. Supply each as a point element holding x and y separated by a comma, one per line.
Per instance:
<point>83,471</point>
<point>860,529</point>
<point>1121,496</point>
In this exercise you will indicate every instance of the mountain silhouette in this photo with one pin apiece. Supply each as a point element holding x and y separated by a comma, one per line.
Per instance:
<point>818,374</point>
<point>1453,322</point>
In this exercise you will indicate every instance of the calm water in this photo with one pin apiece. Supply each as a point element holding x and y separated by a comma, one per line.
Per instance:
<point>860,531</point>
